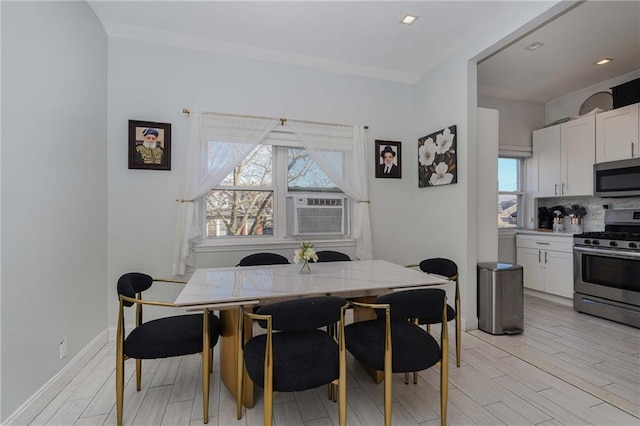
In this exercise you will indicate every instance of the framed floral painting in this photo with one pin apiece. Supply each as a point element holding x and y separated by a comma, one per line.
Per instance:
<point>437,161</point>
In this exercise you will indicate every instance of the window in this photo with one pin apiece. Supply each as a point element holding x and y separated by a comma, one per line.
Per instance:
<point>510,193</point>
<point>254,200</point>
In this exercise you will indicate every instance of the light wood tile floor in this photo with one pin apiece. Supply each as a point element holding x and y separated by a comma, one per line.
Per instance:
<point>565,369</point>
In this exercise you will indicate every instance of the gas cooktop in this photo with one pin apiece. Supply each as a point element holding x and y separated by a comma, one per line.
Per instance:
<point>621,231</point>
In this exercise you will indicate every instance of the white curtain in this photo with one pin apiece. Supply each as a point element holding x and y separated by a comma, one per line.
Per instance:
<point>327,144</point>
<point>216,145</point>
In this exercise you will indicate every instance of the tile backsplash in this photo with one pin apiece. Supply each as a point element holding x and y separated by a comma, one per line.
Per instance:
<point>594,220</point>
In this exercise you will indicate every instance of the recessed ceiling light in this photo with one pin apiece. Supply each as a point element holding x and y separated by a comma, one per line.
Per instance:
<point>603,61</point>
<point>409,19</point>
<point>534,46</point>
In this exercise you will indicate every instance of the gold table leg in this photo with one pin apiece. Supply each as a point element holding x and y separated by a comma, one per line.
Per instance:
<point>229,355</point>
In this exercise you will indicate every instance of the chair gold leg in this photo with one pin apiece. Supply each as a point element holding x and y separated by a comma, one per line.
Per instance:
<point>211,361</point>
<point>406,378</point>
<point>342,376</point>
<point>138,374</point>
<point>415,377</point>
<point>458,340</point>
<point>240,365</point>
<point>444,369</point>
<point>388,385</point>
<point>444,392</point>
<point>268,398</point>
<point>206,349</point>
<point>119,385</point>
<point>268,377</point>
<point>120,366</point>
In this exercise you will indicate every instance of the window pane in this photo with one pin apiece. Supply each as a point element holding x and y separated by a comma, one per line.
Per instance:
<point>508,210</point>
<point>304,174</point>
<point>255,170</point>
<point>239,213</point>
<point>508,174</point>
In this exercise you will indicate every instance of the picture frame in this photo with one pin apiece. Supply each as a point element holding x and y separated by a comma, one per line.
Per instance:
<point>437,158</point>
<point>156,154</point>
<point>391,151</point>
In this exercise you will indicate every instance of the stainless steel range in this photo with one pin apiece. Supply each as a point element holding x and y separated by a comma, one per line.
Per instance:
<point>606,269</point>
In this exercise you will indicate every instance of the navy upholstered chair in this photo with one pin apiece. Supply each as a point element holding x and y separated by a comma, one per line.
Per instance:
<point>332,256</point>
<point>263,259</point>
<point>448,269</point>
<point>295,354</point>
<point>395,343</point>
<point>160,338</point>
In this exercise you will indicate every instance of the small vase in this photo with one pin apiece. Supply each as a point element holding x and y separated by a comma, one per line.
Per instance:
<point>305,269</point>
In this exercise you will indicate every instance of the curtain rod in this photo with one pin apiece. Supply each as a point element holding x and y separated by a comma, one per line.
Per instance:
<point>282,120</point>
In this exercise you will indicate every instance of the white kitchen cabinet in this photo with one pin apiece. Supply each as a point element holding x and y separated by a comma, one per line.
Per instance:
<point>563,158</point>
<point>546,161</point>
<point>577,156</point>
<point>547,263</point>
<point>618,134</point>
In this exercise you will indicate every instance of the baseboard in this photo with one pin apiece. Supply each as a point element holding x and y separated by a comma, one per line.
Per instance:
<point>547,296</point>
<point>39,400</point>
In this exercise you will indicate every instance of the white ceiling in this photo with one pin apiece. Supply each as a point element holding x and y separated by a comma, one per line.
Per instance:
<point>572,43</point>
<point>365,38</point>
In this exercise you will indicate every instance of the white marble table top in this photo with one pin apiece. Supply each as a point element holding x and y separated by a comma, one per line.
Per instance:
<point>234,286</point>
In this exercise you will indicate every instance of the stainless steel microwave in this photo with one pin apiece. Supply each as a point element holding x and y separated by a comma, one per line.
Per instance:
<point>617,178</point>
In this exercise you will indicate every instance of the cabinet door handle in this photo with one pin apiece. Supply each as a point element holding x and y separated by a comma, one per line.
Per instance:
<point>541,243</point>
<point>633,145</point>
<point>562,190</point>
<point>539,258</point>
<point>545,257</point>
<point>555,189</point>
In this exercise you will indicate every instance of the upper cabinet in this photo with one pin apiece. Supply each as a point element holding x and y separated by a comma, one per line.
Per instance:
<point>617,134</point>
<point>563,158</point>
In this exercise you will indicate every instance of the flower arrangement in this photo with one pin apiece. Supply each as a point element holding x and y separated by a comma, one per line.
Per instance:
<point>305,253</point>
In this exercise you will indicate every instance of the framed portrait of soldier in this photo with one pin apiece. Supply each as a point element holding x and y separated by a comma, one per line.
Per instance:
<point>388,159</point>
<point>149,145</point>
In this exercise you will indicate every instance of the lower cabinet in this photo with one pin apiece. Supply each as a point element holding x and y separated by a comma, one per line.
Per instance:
<point>547,263</point>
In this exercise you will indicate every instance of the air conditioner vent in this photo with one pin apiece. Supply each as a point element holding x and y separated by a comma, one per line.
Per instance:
<point>313,215</point>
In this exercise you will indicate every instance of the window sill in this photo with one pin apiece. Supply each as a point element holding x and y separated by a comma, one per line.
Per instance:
<point>269,244</point>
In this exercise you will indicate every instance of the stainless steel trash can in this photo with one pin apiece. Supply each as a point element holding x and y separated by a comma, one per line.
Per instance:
<point>500,298</point>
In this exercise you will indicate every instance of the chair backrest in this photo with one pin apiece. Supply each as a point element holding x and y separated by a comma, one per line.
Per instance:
<point>332,256</point>
<point>133,282</point>
<point>304,314</point>
<point>418,303</point>
<point>263,259</point>
<point>440,266</point>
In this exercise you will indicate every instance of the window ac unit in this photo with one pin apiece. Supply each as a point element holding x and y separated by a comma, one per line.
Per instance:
<point>317,215</point>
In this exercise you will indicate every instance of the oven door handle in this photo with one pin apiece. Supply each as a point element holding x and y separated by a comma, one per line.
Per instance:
<point>609,253</point>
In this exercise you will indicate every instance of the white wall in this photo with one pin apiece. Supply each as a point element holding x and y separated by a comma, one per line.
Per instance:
<point>487,204</point>
<point>517,119</point>
<point>142,203</point>
<point>54,183</point>
<point>569,105</point>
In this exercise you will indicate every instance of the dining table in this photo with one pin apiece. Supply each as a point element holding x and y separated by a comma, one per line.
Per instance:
<point>228,289</point>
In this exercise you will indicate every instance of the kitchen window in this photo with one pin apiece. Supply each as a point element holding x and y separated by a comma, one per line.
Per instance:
<point>510,192</point>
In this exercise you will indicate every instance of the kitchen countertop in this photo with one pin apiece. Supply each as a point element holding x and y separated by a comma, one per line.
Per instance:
<point>544,232</point>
